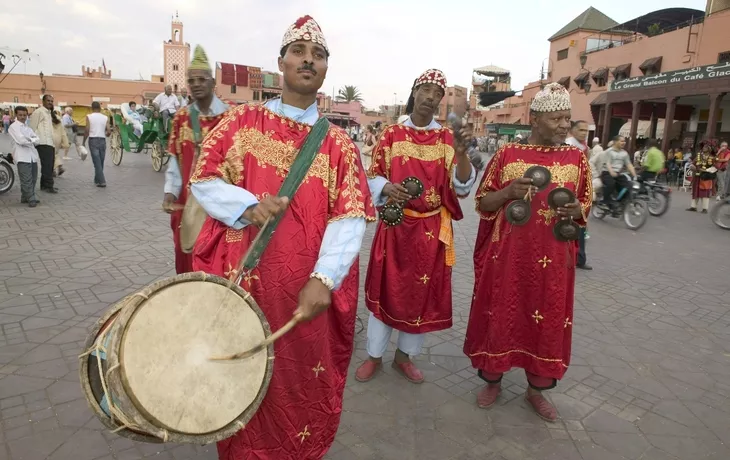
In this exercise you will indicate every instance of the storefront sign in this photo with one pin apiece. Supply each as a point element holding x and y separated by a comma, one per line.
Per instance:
<point>708,72</point>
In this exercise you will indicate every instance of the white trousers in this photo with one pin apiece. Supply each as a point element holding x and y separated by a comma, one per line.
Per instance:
<point>705,203</point>
<point>379,336</point>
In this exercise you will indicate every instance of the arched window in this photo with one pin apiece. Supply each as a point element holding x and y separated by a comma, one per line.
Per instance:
<point>177,35</point>
<point>175,87</point>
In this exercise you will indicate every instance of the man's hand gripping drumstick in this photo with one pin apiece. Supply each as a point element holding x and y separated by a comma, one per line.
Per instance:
<point>314,298</point>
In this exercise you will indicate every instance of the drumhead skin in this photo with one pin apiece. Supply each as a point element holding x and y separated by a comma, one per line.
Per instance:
<point>160,370</point>
<point>166,352</point>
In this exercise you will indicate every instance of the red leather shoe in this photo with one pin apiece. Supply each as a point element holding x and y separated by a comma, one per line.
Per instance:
<point>488,396</point>
<point>542,407</point>
<point>367,370</point>
<point>409,371</point>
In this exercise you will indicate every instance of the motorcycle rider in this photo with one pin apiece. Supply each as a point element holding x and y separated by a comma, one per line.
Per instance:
<point>616,162</point>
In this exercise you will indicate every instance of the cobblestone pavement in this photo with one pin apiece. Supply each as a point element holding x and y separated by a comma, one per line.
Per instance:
<point>650,377</point>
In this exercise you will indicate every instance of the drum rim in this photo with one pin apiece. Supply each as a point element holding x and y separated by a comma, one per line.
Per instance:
<point>147,419</point>
<point>86,383</point>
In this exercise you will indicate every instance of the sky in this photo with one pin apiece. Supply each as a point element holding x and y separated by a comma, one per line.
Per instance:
<point>377,45</point>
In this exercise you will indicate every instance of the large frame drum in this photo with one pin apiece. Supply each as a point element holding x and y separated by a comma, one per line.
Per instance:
<point>157,381</point>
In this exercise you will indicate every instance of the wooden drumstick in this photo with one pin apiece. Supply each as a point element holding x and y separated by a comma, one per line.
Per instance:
<point>262,346</point>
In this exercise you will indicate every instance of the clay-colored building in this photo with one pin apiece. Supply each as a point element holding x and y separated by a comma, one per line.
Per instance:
<point>455,100</point>
<point>662,72</point>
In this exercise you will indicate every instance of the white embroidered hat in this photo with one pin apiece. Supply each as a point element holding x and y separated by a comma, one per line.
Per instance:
<point>307,29</point>
<point>553,98</point>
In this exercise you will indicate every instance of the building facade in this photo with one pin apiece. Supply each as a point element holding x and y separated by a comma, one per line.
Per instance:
<point>594,53</point>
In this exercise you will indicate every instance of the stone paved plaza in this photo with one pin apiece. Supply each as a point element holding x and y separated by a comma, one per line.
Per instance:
<point>649,380</point>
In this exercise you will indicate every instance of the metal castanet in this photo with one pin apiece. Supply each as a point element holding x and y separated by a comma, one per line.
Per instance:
<point>540,176</point>
<point>518,212</point>
<point>392,213</point>
<point>566,230</point>
<point>560,197</point>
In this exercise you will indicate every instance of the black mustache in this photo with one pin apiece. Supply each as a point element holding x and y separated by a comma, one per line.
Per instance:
<point>308,67</point>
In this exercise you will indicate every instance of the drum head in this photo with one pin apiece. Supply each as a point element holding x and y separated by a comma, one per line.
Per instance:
<point>165,353</point>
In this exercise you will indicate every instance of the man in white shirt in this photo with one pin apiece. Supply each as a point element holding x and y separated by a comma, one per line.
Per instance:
<point>97,130</point>
<point>41,122</point>
<point>168,104</point>
<point>25,155</point>
<point>579,138</point>
<point>70,126</point>
<point>183,98</point>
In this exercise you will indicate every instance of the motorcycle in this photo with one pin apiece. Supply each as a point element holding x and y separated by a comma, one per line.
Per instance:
<point>627,204</point>
<point>7,175</point>
<point>657,195</point>
<point>720,214</point>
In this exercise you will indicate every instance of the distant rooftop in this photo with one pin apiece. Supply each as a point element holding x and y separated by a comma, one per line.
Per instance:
<point>491,70</point>
<point>591,19</point>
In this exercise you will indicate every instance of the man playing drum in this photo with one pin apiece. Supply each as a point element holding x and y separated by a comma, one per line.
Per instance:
<point>305,271</point>
<point>182,146</point>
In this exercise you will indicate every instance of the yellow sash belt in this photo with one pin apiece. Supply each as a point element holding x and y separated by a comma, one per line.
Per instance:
<point>446,232</point>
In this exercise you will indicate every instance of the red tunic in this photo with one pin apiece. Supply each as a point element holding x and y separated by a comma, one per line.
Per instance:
<point>254,148</point>
<point>522,309</point>
<point>181,145</point>
<point>408,284</point>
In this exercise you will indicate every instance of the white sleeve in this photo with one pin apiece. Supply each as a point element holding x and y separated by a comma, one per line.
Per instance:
<point>376,185</point>
<point>463,188</point>
<point>173,178</point>
<point>223,201</point>
<point>340,247</point>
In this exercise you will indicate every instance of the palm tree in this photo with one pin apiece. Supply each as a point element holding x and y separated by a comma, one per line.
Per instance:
<point>349,94</point>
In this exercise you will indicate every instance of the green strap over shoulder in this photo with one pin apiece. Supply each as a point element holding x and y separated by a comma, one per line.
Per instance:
<point>195,123</point>
<point>297,173</point>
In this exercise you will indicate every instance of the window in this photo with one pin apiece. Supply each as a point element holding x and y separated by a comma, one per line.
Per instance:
<point>174,88</point>
<point>622,72</point>
<point>563,54</point>
<point>723,57</point>
<point>255,95</point>
<point>233,89</point>
<point>565,81</point>
<point>175,67</point>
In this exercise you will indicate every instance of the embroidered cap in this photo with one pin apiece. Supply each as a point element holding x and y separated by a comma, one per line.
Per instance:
<point>553,98</point>
<point>434,76</point>
<point>307,29</point>
<point>200,60</point>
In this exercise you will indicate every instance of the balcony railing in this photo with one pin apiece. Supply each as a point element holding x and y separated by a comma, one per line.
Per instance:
<point>614,38</point>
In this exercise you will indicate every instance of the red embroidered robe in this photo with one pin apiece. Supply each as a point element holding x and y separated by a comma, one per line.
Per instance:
<point>253,148</point>
<point>408,284</point>
<point>181,145</point>
<point>522,309</point>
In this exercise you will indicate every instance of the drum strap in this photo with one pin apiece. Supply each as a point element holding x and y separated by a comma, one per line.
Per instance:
<point>298,171</point>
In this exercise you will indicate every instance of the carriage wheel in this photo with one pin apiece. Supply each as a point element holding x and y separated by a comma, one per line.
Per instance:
<point>165,159</point>
<point>156,156</point>
<point>115,145</point>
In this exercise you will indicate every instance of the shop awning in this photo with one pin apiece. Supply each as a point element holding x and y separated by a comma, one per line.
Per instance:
<point>600,75</point>
<point>654,64</point>
<point>622,71</point>
<point>583,76</point>
<point>642,132</point>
